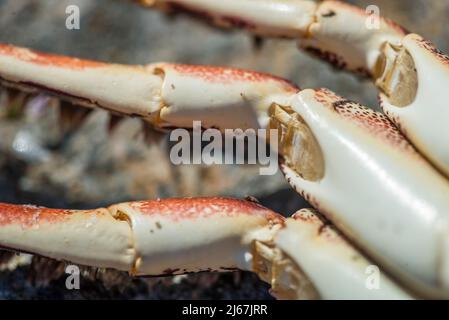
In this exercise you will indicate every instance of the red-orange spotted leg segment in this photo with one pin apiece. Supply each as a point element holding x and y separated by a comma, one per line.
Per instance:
<point>131,90</point>
<point>89,237</point>
<point>175,236</point>
<point>215,95</point>
<point>414,81</point>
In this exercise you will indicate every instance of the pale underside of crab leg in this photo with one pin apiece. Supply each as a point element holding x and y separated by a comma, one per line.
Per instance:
<point>369,181</point>
<point>166,95</point>
<point>414,96</point>
<point>332,264</point>
<point>410,72</point>
<point>177,236</point>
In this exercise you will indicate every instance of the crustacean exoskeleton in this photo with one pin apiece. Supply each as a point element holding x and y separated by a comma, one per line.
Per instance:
<point>381,179</point>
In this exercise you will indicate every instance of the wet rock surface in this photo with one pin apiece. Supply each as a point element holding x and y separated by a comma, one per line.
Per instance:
<point>44,164</point>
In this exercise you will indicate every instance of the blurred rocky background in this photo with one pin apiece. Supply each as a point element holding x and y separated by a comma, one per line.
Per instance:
<point>44,164</point>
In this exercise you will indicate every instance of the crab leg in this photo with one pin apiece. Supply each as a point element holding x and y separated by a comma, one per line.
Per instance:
<point>399,204</point>
<point>159,93</point>
<point>176,236</point>
<point>333,265</point>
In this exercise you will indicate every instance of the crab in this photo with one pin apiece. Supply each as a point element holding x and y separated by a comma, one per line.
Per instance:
<point>377,181</point>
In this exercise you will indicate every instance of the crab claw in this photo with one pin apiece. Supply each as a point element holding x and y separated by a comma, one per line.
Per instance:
<point>413,79</point>
<point>398,201</point>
